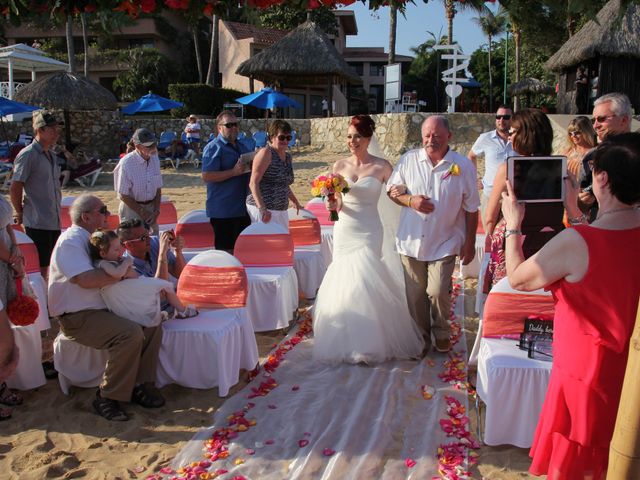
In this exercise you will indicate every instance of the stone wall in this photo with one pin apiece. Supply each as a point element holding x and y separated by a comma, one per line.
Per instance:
<point>399,132</point>
<point>102,132</point>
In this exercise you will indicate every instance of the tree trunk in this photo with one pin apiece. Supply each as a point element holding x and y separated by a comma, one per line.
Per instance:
<point>516,42</point>
<point>393,25</point>
<point>71,51</point>
<point>212,73</point>
<point>624,450</point>
<point>490,79</point>
<point>196,45</point>
<point>85,41</point>
<point>450,11</point>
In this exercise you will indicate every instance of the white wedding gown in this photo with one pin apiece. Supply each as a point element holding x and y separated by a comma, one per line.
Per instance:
<point>361,313</point>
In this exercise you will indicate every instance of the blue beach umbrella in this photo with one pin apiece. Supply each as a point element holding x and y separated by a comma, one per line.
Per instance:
<point>268,98</point>
<point>150,103</point>
<point>7,107</point>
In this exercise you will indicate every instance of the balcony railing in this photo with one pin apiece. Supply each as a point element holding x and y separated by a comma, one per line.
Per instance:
<point>4,88</point>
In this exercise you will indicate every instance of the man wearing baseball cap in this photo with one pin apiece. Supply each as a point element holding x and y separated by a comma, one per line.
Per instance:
<point>138,182</point>
<point>35,188</point>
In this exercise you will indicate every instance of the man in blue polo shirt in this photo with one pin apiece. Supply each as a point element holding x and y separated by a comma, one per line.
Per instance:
<point>227,183</point>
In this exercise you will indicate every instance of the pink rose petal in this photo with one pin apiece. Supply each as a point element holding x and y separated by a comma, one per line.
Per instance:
<point>327,452</point>
<point>250,451</point>
<point>410,462</point>
<point>166,470</point>
<point>268,442</point>
<point>303,443</point>
<point>295,388</point>
<point>272,406</point>
<point>138,469</point>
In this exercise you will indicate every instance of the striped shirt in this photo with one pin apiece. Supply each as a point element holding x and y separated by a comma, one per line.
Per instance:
<point>137,178</point>
<point>274,185</point>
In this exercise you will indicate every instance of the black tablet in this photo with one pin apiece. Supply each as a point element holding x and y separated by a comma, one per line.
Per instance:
<point>537,179</point>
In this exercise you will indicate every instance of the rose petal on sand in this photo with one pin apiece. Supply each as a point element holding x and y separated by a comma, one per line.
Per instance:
<point>410,462</point>
<point>327,452</point>
<point>303,443</point>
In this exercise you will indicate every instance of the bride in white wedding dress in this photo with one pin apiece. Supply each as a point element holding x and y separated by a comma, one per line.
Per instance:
<point>361,313</point>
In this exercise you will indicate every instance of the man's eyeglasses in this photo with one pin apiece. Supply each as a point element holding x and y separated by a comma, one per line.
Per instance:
<point>602,118</point>
<point>143,238</point>
<point>282,138</point>
<point>103,210</point>
<point>503,117</point>
<point>575,133</point>
<point>229,124</point>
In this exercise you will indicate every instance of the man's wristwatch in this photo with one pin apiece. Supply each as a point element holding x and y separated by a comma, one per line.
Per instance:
<point>508,233</point>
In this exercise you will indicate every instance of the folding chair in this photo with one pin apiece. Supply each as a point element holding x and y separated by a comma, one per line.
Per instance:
<point>87,174</point>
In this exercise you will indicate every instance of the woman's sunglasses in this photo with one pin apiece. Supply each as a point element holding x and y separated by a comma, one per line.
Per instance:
<point>282,138</point>
<point>575,133</point>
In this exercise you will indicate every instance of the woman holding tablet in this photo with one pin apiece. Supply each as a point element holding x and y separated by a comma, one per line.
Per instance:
<point>530,134</point>
<point>592,272</point>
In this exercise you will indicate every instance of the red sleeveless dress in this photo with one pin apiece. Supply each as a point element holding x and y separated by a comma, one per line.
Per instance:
<point>594,319</point>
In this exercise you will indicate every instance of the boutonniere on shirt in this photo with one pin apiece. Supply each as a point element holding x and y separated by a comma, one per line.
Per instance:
<point>453,170</point>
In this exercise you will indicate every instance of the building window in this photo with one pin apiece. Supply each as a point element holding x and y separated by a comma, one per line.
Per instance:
<point>358,67</point>
<point>296,112</point>
<point>315,104</point>
<point>376,69</point>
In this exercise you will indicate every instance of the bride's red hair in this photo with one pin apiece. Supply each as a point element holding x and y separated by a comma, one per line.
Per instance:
<point>364,124</point>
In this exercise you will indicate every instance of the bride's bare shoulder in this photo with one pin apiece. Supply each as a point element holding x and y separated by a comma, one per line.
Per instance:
<point>340,165</point>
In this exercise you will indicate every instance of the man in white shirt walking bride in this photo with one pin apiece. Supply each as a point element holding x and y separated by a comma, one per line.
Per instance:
<point>437,188</point>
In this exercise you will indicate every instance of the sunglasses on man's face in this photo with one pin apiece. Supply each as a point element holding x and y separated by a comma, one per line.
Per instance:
<point>229,124</point>
<point>601,118</point>
<point>103,210</point>
<point>503,117</point>
<point>282,138</point>
<point>143,238</point>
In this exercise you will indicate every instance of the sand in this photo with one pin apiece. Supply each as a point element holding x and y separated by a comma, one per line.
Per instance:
<point>56,436</point>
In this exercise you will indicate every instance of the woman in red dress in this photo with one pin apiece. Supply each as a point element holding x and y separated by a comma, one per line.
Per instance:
<point>592,271</point>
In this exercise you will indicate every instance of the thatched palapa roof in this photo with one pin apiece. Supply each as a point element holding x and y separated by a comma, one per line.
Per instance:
<point>304,55</point>
<point>606,37</point>
<point>530,85</point>
<point>66,91</point>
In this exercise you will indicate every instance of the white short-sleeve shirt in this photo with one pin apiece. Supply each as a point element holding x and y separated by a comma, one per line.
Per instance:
<point>495,151</point>
<point>71,257</point>
<point>137,178</point>
<point>441,233</point>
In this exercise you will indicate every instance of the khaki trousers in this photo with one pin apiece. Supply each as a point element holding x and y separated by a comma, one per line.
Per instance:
<point>125,213</point>
<point>428,287</point>
<point>133,350</point>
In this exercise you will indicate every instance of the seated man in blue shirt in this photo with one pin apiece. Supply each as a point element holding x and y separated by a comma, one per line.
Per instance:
<point>227,182</point>
<point>152,256</point>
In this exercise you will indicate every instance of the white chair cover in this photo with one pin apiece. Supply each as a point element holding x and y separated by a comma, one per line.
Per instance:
<point>210,349</point>
<point>511,385</point>
<point>77,365</point>
<point>309,262</point>
<point>65,219</point>
<point>29,373</point>
<point>273,289</point>
<point>472,270</point>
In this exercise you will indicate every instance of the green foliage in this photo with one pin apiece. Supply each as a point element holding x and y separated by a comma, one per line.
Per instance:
<point>144,70</point>
<point>285,17</point>
<point>424,75</point>
<point>201,99</point>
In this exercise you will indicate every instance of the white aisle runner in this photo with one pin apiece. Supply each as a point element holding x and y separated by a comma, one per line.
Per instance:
<point>333,422</point>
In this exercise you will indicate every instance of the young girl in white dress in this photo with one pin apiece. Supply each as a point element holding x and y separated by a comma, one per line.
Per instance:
<point>361,312</point>
<point>136,298</point>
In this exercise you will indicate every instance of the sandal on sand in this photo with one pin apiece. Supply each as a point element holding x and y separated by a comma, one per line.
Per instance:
<point>49,370</point>
<point>189,312</point>
<point>8,397</point>
<point>146,397</point>
<point>109,409</point>
<point>5,414</point>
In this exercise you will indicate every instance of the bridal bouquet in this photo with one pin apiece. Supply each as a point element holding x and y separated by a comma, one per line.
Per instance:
<point>326,187</point>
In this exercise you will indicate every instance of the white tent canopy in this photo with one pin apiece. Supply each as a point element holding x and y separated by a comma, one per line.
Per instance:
<point>23,57</point>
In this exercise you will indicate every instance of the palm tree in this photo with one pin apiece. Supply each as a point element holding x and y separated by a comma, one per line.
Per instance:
<point>451,10</point>
<point>393,25</point>
<point>491,25</point>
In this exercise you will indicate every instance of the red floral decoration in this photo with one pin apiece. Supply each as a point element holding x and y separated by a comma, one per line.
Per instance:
<point>22,310</point>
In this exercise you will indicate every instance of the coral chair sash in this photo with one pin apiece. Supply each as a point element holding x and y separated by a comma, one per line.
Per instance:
<point>271,250</point>
<point>113,221</point>
<point>504,313</point>
<point>319,209</point>
<point>168,214</point>
<point>31,258</point>
<point>305,231</point>
<point>213,287</point>
<point>65,218</point>
<point>196,235</point>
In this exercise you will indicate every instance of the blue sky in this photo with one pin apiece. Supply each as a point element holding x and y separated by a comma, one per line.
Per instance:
<point>373,27</point>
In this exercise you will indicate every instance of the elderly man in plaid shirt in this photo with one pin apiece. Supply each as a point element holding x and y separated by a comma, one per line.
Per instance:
<point>138,182</point>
